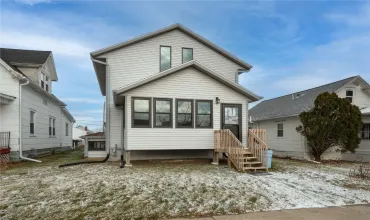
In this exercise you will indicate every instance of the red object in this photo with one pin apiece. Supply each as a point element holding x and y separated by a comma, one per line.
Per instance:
<point>4,150</point>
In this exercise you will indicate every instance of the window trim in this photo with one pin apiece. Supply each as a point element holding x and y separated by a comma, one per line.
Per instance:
<point>155,112</point>
<point>192,113</point>
<point>353,95</point>
<point>277,130</point>
<point>93,141</point>
<point>33,122</point>
<point>133,112</point>
<point>67,129</point>
<point>160,46</point>
<point>50,126</point>
<point>182,54</point>
<point>196,113</point>
<point>363,131</point>
<point>54,122</point>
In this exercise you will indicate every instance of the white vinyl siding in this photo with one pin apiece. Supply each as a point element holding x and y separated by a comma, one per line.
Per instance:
<point>360,97</point>
<point>186,84</point>
<point>9,113</point>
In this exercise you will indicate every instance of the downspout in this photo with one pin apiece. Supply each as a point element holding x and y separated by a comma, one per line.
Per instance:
<point>20,122</point>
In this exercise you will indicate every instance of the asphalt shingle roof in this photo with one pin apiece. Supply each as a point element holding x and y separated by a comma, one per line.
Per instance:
<point>294,103</point>
<point>24,56</point>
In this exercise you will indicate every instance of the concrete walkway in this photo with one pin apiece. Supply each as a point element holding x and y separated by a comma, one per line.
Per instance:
<point>355,212</point>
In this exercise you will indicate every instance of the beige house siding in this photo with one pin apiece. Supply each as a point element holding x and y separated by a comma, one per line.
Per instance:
<point>187,84</point>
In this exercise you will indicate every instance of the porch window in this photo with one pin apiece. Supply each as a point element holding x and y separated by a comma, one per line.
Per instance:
<point>204,114</point>
<point>365,132</point>
<point>32,122</point>
<point>184,113</point>
<point>163,113</point>
<point>280,130</point>
<point>187,54</point>
<point>141,109</point>
<point>96,145</point>
<point>165,58</point>
<point>349,95</point>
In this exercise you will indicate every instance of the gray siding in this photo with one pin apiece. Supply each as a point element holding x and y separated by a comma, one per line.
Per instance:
<point>187,84</point>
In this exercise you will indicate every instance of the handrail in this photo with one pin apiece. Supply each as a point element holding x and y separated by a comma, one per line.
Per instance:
<point>257,146</point>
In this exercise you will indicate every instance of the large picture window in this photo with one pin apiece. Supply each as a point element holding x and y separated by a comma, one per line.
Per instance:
<point>204,118</point>
<point>187,54</point>
<point>141,112</point>
<point>165,58</point>
<point>365,132</point>
<point>163,113</point>
<point>96,145</point>
<point>184,113</point>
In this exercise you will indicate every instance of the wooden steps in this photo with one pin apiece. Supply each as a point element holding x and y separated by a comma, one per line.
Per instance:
<point>254,168</point>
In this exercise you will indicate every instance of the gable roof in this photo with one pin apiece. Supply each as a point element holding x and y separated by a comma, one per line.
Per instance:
<point>168,29</point>
<point>295,103</point>
<point>69,116</point>
<point>18,56</point>
<point>237,87</point>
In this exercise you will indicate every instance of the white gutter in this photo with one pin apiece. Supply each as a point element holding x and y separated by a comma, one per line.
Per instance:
<point>20,123</point>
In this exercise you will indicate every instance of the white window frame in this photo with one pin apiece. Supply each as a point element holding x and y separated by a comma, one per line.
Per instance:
<point>67,132</point>
<point>280,129</point>
<point>350,97</point>
<point>32,121</point>
<point>365,133</point>
<point>53,130</point>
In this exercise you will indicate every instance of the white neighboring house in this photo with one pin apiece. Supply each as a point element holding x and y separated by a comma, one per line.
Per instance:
<point>167,92</point>
<point>279,116</point>
<point>36,121</point>
<point>78,132</point>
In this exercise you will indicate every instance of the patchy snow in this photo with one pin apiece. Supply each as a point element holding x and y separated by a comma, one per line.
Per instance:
<point>168,190</point>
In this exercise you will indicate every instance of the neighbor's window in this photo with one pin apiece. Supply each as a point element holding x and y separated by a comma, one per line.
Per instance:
<point>187,54</point>
<point>66,129</point>
<point>32,122</point>
<point>96,145</point>
<point>203,114</point>
<point>184,113</point>
<point>365,132</point>
<point>141,112</point>
<point>50,126</point>
<point>349,95</point>
<point>163,113</point>
<point>280,130</point>
<point>53,126</point>
<point>165,62</point>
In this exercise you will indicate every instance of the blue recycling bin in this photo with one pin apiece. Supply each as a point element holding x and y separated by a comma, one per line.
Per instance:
<point>269,156</point>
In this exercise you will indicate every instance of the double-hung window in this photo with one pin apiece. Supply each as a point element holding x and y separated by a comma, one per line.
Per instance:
<point>42,82</point>
<point>165,58</point>
<point>162,113</point>
<point>53,126</point>
<point>203,109</point>
<point>365,132</point>
<point>66,129</point>
<point>141,112</point>
<point>50,126</point>
<point>32,122</point>
<point>280,130</point>
<point>184,113</point>
<point>47,83</point>
<point>349,95</point>
<point>187,54</point>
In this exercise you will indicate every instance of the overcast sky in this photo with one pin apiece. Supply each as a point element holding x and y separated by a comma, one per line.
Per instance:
<point>292,45</point>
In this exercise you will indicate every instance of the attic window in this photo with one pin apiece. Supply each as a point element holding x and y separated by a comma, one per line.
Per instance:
<point>349,95</point>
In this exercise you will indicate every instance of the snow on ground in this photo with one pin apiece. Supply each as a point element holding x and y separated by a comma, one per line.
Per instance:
<point>161,190</point>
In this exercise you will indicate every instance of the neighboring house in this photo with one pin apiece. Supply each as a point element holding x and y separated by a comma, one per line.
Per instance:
<point>79,131</point>
<point>279,116</point>
<point>31,117</point>
<point>167,91</point>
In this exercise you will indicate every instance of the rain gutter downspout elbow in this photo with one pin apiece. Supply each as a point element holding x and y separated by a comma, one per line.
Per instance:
<point>20,122</point>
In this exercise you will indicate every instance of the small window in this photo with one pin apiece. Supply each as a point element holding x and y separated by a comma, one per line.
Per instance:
<point>184,113</point>
<point>204,114</point>
<point>349,95</point>
<point>32,122</point>
<point>165,58</point>
<point>96,145</point>
<point>42,80</point>
<point>53,126</point>
<point>47,83</point>
<point>141,112</point>
<point>66,129</point>
<point>280,130</point>
<point>50,126</point>
<point>163,113</point>
<point>187,54</point>
<point>365,132</point>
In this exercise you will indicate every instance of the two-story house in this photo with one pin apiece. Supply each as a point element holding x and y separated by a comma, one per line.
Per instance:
<point>32,120</point>
<point>166,92</point>
<point>279,116</point>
